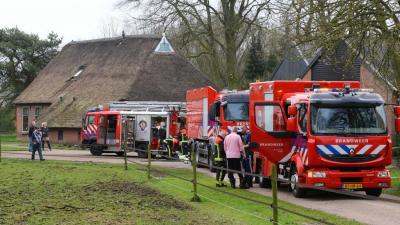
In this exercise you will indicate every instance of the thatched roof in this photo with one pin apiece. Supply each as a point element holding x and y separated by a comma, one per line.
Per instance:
<point>89,73</point>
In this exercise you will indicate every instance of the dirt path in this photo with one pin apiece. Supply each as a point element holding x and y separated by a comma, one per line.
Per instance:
<point>365,211</point>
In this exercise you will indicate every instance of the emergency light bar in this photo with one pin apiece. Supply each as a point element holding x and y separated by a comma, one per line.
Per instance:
<point>148,106</point>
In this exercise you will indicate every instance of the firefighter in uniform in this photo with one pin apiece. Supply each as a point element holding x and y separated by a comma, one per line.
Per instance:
<point>220,159</point>
<point>183,141</point>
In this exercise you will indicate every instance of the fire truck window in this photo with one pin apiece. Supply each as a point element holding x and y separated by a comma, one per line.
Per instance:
<point>236,112</point>
<point>303,118</point>
<point>112,123</point>
<point>348,120</point>
<point>270,118</point>
<point>90,120</point>
<point>102,121</point>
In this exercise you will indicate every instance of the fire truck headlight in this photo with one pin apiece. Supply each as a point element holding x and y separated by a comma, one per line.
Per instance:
<point>316,174</point>
<point>384,174</point>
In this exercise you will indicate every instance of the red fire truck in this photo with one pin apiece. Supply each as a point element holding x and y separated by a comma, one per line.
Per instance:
<point>321,134</point>
<point>133,125</point>
<point>208,112</point>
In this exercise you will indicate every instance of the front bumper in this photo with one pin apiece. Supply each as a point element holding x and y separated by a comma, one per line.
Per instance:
<point>336,179</point>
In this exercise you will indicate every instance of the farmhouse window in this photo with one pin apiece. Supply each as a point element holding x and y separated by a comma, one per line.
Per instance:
<point>25,119</point>
<point>38,110</point>
<point>60,135</point>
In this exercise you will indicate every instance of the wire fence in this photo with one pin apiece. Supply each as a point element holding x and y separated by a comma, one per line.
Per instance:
<point>273,205</point>
<point>145,165</point>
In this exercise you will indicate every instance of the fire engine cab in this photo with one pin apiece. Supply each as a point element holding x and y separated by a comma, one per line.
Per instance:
<point>134,126</point>
<point>321,134</point>
<point>209,112</point>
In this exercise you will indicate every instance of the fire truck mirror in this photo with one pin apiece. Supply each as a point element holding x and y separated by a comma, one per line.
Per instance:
<point>83,123</point>
<point>292,110</point>
<point>214,111</point>
<point>396,110</point>
<point>397,125</point>
<point>292,124</point>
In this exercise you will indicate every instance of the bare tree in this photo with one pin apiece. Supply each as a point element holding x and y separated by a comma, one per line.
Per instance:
<point>218,29</point>
<point>370,27</point>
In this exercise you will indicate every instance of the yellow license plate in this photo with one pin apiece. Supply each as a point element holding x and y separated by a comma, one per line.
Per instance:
<point>352,186</point>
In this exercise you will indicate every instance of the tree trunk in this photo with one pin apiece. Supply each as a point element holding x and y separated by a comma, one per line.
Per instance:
<point>231,26</point>
<point>231,61</point>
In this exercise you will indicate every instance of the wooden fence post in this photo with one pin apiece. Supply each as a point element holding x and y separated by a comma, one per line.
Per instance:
<point>148,162</point>
<point>0,148</point>
<point>125,145</point>
<point>195,197</point>
<point>274,205</point>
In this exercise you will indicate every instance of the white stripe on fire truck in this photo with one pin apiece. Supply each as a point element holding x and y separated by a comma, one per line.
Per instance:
<point>307,161</point>
<point>378,149</point>
<point>89,129</point>
<point>364,149</point>
<point>339,149</point>
<point>304,155</point>
<point>352,146</point>
<point>324,149</point>
<point>287,157</point>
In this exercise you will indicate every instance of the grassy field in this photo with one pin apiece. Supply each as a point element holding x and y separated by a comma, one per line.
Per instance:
<point>8,138</point>
<point>57,192</point>
<point>9,142</point>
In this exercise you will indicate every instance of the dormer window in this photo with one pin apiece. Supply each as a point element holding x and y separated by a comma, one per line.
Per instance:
<point>164,46</point>
<point>78,72</point>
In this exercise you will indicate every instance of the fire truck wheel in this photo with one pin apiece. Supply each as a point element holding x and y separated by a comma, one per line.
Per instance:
<point>265,182</point>
<point>211,164</point>
<point>374,191</point>
<point>96,151</point>
<point>197,158</point>
<point>294,187</point>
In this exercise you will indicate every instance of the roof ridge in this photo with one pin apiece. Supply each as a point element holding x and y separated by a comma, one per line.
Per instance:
<point>148,36</point>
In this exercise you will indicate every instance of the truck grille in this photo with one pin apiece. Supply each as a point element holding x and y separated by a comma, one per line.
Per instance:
<point>349,158</point>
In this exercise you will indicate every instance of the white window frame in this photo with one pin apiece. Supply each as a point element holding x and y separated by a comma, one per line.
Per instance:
<point>22,115</point>
<point>38,108</point>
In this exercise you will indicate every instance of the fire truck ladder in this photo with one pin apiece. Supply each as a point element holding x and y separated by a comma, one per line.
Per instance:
<point>148,106</point>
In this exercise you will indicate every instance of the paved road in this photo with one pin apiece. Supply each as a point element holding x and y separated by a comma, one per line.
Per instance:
<point>365,211</point>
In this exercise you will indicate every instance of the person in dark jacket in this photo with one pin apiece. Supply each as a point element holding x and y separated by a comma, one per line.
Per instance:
<point>220,159</point>
<point>30,133</point>
<point>247,161</point>
<point>37,144</point>
<point>45,135</point>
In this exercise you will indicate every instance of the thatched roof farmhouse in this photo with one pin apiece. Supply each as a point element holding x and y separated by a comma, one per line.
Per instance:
<point>89,73</point>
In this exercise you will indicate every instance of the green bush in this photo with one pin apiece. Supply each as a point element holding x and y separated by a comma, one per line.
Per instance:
<point>7,120</point>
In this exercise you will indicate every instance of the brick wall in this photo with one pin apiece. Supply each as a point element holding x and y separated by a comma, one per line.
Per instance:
<point>307,77</point>
<point>69,135</point>
<point>369,80</point>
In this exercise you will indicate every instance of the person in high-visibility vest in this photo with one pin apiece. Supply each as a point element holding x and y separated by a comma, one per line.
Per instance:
<point>220,159</point>
<point>183,141</point>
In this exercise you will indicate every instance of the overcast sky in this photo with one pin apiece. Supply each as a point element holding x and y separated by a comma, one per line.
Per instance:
<point>71,19</point>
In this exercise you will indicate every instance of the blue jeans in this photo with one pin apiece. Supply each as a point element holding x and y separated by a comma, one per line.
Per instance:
<point>30,145</point>
<point>37,147</point>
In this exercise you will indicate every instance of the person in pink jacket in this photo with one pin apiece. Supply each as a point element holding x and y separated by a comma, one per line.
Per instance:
<point>233,146</point>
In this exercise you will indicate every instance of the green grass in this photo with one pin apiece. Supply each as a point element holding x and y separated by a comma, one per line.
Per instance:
<point>58,192</point>
<point>9,142</point>
<point>395,189</point>
<point>7,138</point>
